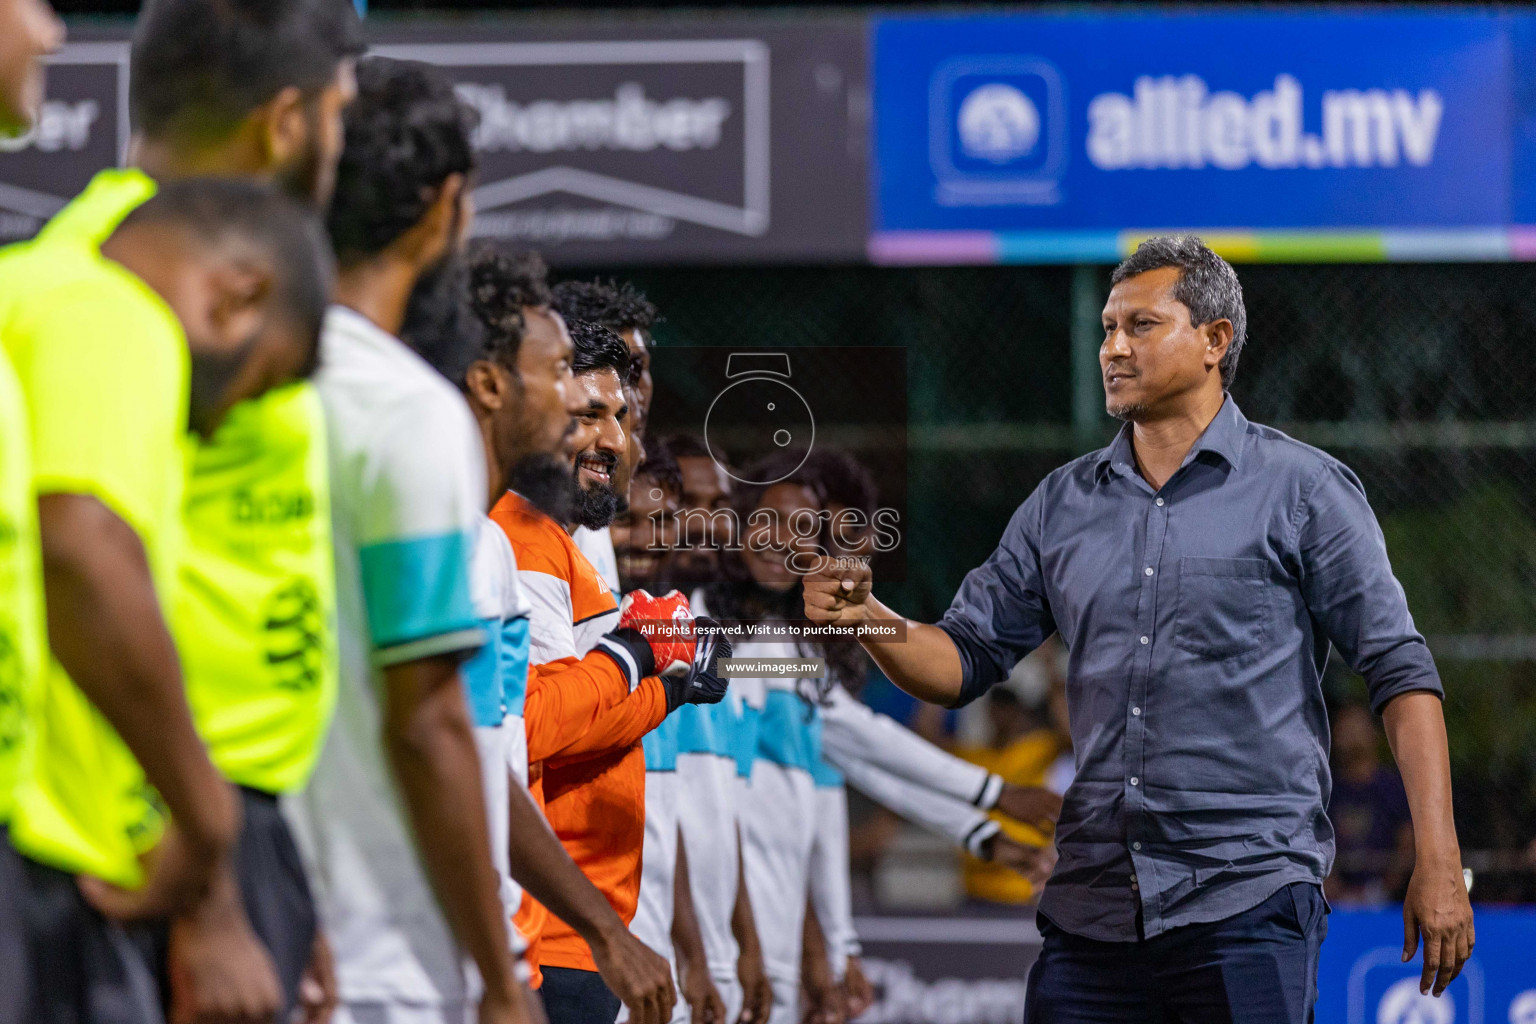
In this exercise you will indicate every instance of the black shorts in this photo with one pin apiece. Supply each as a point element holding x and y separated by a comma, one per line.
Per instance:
<point>274,890</point>
<point>80,967</point>
<point>14,984</point>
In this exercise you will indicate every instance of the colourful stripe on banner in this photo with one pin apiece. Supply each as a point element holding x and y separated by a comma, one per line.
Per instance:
<point>935,248</point>
<point>1281,246</point>
<point>1060,247</point>
<point>1522,242</point>
<point>950,248</point>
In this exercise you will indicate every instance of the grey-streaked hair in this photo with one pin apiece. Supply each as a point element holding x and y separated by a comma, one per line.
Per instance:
<point>1207,285</point>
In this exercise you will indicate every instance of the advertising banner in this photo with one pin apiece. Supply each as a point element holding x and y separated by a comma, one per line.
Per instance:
<point>718,141</point>
<point>1314,134</point>
<point>600,142</point>
<point>972,970</point>
<point>81,128</point>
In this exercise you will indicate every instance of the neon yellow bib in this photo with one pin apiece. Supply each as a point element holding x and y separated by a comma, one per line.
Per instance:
<point>255,611</point>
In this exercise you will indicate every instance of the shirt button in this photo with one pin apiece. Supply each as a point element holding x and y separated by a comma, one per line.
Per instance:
<point>1135,781</point>
<point>1135,846</point>
<point>1160,503</point>
<point>1147,571</point>
<point>1136,711</point>
<point>1146,640</point>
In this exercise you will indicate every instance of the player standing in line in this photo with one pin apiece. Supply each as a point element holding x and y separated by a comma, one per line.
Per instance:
<point>706,524</point>
<point>29,30</point>
<point>247,89</point>
<point>708,763</point>
<point>665,916</point>
<point>517,378</point>
<point>206,296</point>
<point>625,311</point>
<point>585,759</point>
<point>778,726</point>
<point>394,817</point>
<point>1197,570</point>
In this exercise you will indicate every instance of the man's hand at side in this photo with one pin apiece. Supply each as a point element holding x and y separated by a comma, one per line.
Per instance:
<point>1437,904</point>
<point>220,973</point>
<point>635,973</point>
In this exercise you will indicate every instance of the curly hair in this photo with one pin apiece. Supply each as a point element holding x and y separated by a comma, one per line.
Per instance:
<point>617,305</point>
<point>407,132</point>
<point>597,348</point>
<point>500,288</point>
<point>198,68</point>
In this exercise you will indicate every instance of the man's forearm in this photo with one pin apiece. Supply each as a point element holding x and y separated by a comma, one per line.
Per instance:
<point>926,664</point>
<point>542,866</point>
<point>1415,727</point>
<point>686,936</point>
<point>431,747</point>
<point>106,627</point>
<point>743,921</point>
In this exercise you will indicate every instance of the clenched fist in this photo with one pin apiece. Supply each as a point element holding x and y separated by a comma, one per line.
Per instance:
<point>837,591</point>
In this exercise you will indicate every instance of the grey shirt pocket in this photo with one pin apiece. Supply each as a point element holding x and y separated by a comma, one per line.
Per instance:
<point>1223,607</point>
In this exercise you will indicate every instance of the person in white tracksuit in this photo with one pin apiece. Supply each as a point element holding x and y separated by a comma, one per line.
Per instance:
<point>495,681</point>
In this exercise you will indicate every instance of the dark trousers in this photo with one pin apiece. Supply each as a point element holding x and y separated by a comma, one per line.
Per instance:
<point>82,968</point>
<point>1258,967</point>
<point>275,892</point>
<point>577,997</point>
<point>14,983</point>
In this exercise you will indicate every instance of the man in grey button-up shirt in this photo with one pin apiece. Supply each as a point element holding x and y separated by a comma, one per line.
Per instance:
<point>1197,569</point>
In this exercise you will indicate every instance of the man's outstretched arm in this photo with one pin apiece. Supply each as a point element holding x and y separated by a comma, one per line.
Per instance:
<point>926,664</point>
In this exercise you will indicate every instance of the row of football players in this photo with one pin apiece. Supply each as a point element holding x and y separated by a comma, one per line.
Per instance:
<point>283,704</point>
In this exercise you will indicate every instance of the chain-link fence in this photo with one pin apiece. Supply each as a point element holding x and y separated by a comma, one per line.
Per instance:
<point>1417,376</point>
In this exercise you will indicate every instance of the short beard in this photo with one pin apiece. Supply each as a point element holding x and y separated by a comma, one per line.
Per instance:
<point>545,481</point>
<point>595,506</point>
<point>1128,413</point>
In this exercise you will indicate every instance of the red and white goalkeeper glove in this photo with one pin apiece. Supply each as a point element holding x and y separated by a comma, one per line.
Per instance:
<point>657,636</point>
<point>654,636</point>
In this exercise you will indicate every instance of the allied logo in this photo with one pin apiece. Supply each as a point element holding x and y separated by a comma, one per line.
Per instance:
<point>998,123</point>
<point>997,131</point>
<point>1403,1003</point>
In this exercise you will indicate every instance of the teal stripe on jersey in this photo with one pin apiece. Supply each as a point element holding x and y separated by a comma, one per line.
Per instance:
<point>417,589</point>
<point>825,776</point>
<point>514,663</point>
<point>744,737</point>
<point>789,732</point>
<point>699,730</point>
<point>660,745</point>
<point>483,679</point>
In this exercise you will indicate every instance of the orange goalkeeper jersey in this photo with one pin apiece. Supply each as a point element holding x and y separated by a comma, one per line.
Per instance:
<point>585,764</point>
